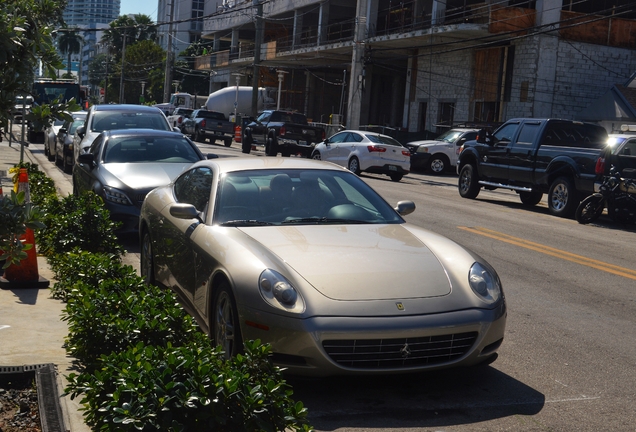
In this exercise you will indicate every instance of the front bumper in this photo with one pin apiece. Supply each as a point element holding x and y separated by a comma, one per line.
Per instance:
<point>327,345</point>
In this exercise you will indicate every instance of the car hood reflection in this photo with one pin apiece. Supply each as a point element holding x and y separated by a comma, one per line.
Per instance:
<point>374,262</point>
<point>145,175</point>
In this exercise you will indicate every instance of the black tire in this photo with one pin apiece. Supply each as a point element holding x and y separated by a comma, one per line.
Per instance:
<point>285,153</point>
<point>354,165</point>
<point>66,167</point>
<point>396,177</point>
<point>225,328</point>
<point>198,136</point>
<point>246,144</point>
<point>590,209</point>
<point>437,165</point>
<point>316,155</point>
<point>271,146</point>
<point>562,197</point>
<point>468,184</point>
<point>531,198</point>
<point>227,142</point>
<point>146,261</point>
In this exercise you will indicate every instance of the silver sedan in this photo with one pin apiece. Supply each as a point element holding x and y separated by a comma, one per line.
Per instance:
<point>305,256</point>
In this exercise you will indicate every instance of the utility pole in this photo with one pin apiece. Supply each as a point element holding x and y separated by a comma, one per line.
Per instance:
<point>357,68</point>
<point>168,80</point>
<point>258,40</point>
<point>121,78</point>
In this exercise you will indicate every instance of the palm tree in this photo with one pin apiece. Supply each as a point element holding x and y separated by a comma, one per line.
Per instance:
<point>69,42</point>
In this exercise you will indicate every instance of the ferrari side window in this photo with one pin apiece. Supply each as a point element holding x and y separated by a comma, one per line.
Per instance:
<point>194,187</point>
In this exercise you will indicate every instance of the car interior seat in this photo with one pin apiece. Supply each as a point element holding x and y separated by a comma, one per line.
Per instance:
<point>276,198</point>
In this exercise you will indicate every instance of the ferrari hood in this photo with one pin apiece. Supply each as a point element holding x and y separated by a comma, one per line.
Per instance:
<point>145,175</point>
<point>358,262</point>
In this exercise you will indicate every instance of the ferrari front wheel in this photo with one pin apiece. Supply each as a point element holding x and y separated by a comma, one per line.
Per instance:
<point>226,330</point>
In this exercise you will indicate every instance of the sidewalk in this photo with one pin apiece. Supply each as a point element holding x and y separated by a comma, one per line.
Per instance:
<point>31,331</point>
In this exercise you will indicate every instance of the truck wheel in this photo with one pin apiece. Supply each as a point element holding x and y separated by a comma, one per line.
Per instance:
<point>271,146</point>
<point>562,197</point>
<point>246,144</point>
<point>531,198</point>
<point>198,136</point>
<point>468,183</point>
<point>285,153</point>
<point>437,165</point>
<point>396,177</point>
<point>227,142</point>
<point>316,155</point>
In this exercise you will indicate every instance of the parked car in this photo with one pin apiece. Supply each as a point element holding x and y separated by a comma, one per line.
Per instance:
<point>533,156</point>
<point>178,116</point>
<point>213,125</point>
<point>363,151</point>
<point>305,256</point>
<point>440,155</point>
<point>110,117</point>
<point>64,141</point>
<point>623,149</point>
<point>122,166</point>
<point>284,132</point>
<point>50,135</point>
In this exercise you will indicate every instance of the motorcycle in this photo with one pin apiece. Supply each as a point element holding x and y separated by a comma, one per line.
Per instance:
<point>617,193</point>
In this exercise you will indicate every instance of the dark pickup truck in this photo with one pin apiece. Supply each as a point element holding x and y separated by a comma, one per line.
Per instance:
<point>213,125</point>
<point>532,157</point>
<point>282,131</point>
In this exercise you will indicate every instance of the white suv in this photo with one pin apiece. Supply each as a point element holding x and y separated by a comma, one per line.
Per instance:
<point>439,155</point>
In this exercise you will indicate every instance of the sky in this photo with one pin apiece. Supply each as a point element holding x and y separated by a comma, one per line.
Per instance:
<point>146,7</point>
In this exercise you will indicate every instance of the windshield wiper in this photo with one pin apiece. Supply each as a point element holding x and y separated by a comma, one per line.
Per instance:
<point>318,220</point>
<point>245,222</point>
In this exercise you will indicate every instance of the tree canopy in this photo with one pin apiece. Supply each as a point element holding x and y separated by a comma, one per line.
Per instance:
<point>26,29</point>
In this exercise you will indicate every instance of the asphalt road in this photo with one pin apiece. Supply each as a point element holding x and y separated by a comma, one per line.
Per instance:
<point>568,361</point>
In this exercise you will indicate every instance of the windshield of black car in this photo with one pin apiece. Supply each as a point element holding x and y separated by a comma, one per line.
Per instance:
<point>144,149</point>
<point>298,197</point>
<point>111,120</point>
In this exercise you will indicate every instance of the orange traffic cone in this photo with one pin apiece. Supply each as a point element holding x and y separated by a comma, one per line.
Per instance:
<point>237,133</point>
<point>25,273</point>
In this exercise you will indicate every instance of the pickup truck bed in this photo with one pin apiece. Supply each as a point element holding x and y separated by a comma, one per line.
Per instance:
<point>533,157</point>
<point>212,125</point>
<point>282,132</point>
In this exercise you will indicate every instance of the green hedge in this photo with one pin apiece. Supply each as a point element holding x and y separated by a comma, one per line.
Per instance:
<point>169,388</point>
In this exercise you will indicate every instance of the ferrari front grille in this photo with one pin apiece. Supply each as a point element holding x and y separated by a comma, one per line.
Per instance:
<point>399,353</point>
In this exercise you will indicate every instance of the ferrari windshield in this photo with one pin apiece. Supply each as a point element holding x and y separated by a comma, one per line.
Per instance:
<point>299,197</point>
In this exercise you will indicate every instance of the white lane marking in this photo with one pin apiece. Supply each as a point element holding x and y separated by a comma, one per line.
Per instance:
<point>2,327</point>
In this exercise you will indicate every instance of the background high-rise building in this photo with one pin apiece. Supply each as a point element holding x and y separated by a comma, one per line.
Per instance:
<point>85,12</point>
<point>89,15</point>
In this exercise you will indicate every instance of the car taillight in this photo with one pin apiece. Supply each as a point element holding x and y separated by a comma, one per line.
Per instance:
<point>459,149</point>
<point>202,123</point>
<point>281,131</point>
<point>599,169</point>
<point>406,153</point>
<point>323,135</point>
<point>180,120</point>
<point>373,148</point>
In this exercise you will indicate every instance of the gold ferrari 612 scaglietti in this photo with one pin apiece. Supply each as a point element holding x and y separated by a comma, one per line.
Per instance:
<point>305,256</point>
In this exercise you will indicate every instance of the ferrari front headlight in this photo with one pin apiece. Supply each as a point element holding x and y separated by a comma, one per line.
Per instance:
<point>279,292</point>
<point>484,283</point>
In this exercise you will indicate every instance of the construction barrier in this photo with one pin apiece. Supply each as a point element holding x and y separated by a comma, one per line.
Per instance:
<point>25,273</point>
<point>237,133</point>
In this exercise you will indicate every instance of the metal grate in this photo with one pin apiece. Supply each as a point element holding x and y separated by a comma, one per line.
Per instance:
<point>20,369</point>
<point>399,353</point>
